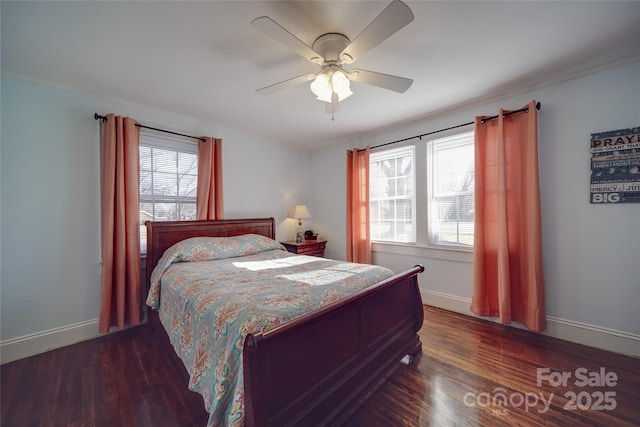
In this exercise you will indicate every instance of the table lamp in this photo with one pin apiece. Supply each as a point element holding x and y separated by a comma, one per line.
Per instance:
<point>299,212</point>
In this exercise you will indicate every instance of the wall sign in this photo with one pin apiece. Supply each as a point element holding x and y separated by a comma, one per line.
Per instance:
<point>615,166</point>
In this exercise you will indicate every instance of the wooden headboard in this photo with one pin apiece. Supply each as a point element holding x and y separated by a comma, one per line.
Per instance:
<point>161,235</point>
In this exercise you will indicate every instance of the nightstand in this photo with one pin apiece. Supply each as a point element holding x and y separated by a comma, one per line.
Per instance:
<point>308,247</point>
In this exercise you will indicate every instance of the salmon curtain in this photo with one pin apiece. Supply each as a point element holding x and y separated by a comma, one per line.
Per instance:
<point>507,262</point>
<point>120,182</point>
<point>209,202</point>
<point>358,229</point>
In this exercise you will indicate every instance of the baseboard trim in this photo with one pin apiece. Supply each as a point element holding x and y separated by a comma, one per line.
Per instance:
<point>581,333</point>
<point>594,336</point>
<point>39,342</point>
<point>569,330</point>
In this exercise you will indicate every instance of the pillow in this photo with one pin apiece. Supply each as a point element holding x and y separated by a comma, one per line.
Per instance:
<point>211,248</point>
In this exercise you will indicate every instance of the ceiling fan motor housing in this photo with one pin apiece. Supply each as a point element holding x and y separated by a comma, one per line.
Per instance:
<point>329,46</point>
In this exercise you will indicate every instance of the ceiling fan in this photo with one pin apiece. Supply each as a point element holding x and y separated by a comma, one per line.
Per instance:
<point>333,50</point>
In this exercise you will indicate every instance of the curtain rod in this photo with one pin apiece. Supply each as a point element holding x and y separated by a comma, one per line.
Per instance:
<point>103,118</point>
<point>525,109</point>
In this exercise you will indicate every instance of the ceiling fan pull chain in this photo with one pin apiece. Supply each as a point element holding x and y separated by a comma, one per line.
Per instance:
<point>335,105</point>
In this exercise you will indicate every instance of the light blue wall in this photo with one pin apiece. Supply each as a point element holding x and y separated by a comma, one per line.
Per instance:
<point>591,252</point>
<point>50,203</point>
<point>50,218</point>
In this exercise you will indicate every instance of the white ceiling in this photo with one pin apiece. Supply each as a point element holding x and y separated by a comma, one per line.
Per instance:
<point>203,60</point>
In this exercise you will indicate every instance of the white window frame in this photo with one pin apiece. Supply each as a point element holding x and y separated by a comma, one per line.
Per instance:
<point>148,139</point>
<point>423,246</point>
<point>391,154</point>
<point>446,142</point>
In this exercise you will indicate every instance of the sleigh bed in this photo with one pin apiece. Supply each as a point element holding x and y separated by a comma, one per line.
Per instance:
<point>315,368</point>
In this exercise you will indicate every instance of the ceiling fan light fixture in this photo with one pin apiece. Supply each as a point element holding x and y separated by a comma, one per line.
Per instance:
<point>321,87</point>
<point>331,81</point>
<point>341,85</point>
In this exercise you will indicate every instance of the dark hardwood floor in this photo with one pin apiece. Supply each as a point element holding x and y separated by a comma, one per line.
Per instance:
<point>471,373</point>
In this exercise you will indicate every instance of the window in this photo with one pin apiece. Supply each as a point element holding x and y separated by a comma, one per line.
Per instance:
<point>391,195</point>
<point>424,193</point>
<point>168,181</point>
<point>450,162</point>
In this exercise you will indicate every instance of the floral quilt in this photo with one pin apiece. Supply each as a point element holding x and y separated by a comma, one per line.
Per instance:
<point>212,292</point>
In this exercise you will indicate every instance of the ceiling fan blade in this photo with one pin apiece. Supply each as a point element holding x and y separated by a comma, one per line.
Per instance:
<point>285,84</point>
<point>394,17</point>
<point>274,30</point>
<point>385,81</point>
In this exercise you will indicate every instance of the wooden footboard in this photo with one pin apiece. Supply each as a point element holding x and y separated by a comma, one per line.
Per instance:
<point>318,368</point>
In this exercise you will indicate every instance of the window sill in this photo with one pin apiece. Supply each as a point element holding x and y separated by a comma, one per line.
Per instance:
<point>423,251</point>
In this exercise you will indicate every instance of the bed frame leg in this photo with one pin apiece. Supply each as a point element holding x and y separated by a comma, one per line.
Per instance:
<point>416,352</point>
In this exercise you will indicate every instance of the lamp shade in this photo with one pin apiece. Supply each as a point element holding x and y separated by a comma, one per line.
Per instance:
<point>301,211</point>
<point>341,85</point>
<point>331,80</point>
<point>321,87</point>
